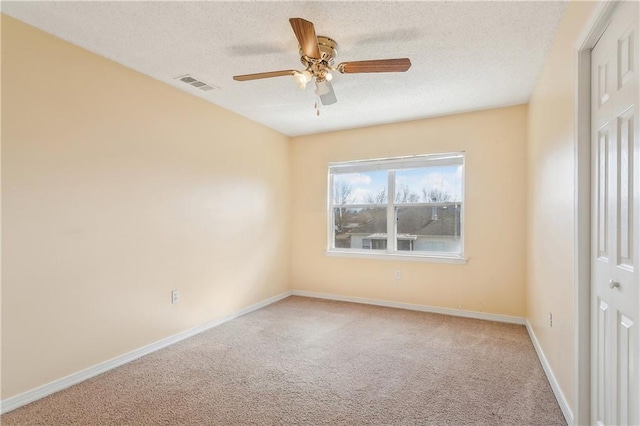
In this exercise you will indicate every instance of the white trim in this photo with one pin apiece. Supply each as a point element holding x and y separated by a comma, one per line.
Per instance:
<point>80,376</point>
<point>383,255</point>
<point>582,237</point>
<point>331,222</point>
<point>407,162</point>
<point>562,401</point>
<point>420,204</point>
<point>392,225</point>
<point>413,307</point>
<point>582,208</point>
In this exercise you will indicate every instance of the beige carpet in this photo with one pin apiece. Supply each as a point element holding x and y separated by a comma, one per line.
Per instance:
<point>306,361</point>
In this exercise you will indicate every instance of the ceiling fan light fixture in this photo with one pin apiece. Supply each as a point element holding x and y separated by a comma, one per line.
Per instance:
<point>317,55</point>
<point>322,87</point>
<point>302,78</point>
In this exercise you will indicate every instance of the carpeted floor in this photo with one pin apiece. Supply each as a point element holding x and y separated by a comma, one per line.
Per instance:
<point>307,361</point>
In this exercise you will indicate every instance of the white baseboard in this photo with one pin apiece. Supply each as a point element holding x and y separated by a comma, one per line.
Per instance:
<point>72,379</point>
<point>562,401</point>
<point>412,307</point>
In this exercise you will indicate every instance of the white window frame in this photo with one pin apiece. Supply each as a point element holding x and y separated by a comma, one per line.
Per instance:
<point>391,165</point>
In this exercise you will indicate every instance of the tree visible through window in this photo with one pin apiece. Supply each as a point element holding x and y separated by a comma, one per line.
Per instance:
<point>423,216</point>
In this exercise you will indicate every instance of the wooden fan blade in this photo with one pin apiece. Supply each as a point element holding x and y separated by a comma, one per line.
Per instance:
<point>378,65</point>
<point>259,75</point>
<point>306,35</point>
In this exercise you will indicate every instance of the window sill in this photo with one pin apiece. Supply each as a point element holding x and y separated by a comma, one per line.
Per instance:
<point>396,256</point>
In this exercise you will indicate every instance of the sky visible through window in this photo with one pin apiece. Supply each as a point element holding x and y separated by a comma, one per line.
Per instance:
<point>364,185</point>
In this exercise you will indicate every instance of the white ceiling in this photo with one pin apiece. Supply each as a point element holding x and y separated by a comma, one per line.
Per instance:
<point>465,55</point>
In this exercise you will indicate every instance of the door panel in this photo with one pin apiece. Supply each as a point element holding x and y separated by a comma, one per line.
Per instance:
<point>603,190</point>
<point>626,334</point>
<point>601,357</point>
<point>625,189</point>
<point>615,281</point>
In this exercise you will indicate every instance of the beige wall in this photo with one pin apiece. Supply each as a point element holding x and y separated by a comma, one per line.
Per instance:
<point>550,225</point>
<point>494,278</point>
<point>116,189</point>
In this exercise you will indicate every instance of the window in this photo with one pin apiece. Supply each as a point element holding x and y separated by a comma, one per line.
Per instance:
<point>408,206</point>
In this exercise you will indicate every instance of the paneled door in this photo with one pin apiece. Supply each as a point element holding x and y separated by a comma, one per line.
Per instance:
<point>615,225</point>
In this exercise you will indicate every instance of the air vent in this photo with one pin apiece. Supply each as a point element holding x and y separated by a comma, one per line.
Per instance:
<point>197,83</point>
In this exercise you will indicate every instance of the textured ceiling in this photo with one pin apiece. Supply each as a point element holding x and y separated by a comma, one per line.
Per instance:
<point>465,55</point>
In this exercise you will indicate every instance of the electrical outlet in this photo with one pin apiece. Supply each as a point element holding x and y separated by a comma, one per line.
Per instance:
<point>550,319</point>
<point>398,275</point>
<point>175,296</point>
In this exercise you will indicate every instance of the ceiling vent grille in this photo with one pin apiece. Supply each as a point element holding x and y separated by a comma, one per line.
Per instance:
<point>197,83</point>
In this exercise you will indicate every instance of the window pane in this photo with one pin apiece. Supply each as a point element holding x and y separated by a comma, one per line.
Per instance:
<point>425,195</point>
<point>360,188</point>
<point>361,228</point>
<point>429,184</point>
<point>429,228</point>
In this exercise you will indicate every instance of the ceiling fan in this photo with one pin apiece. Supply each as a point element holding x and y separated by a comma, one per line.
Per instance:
<point>317,55</point>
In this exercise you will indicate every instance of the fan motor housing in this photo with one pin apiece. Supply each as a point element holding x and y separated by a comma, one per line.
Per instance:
<point>328,51</point>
